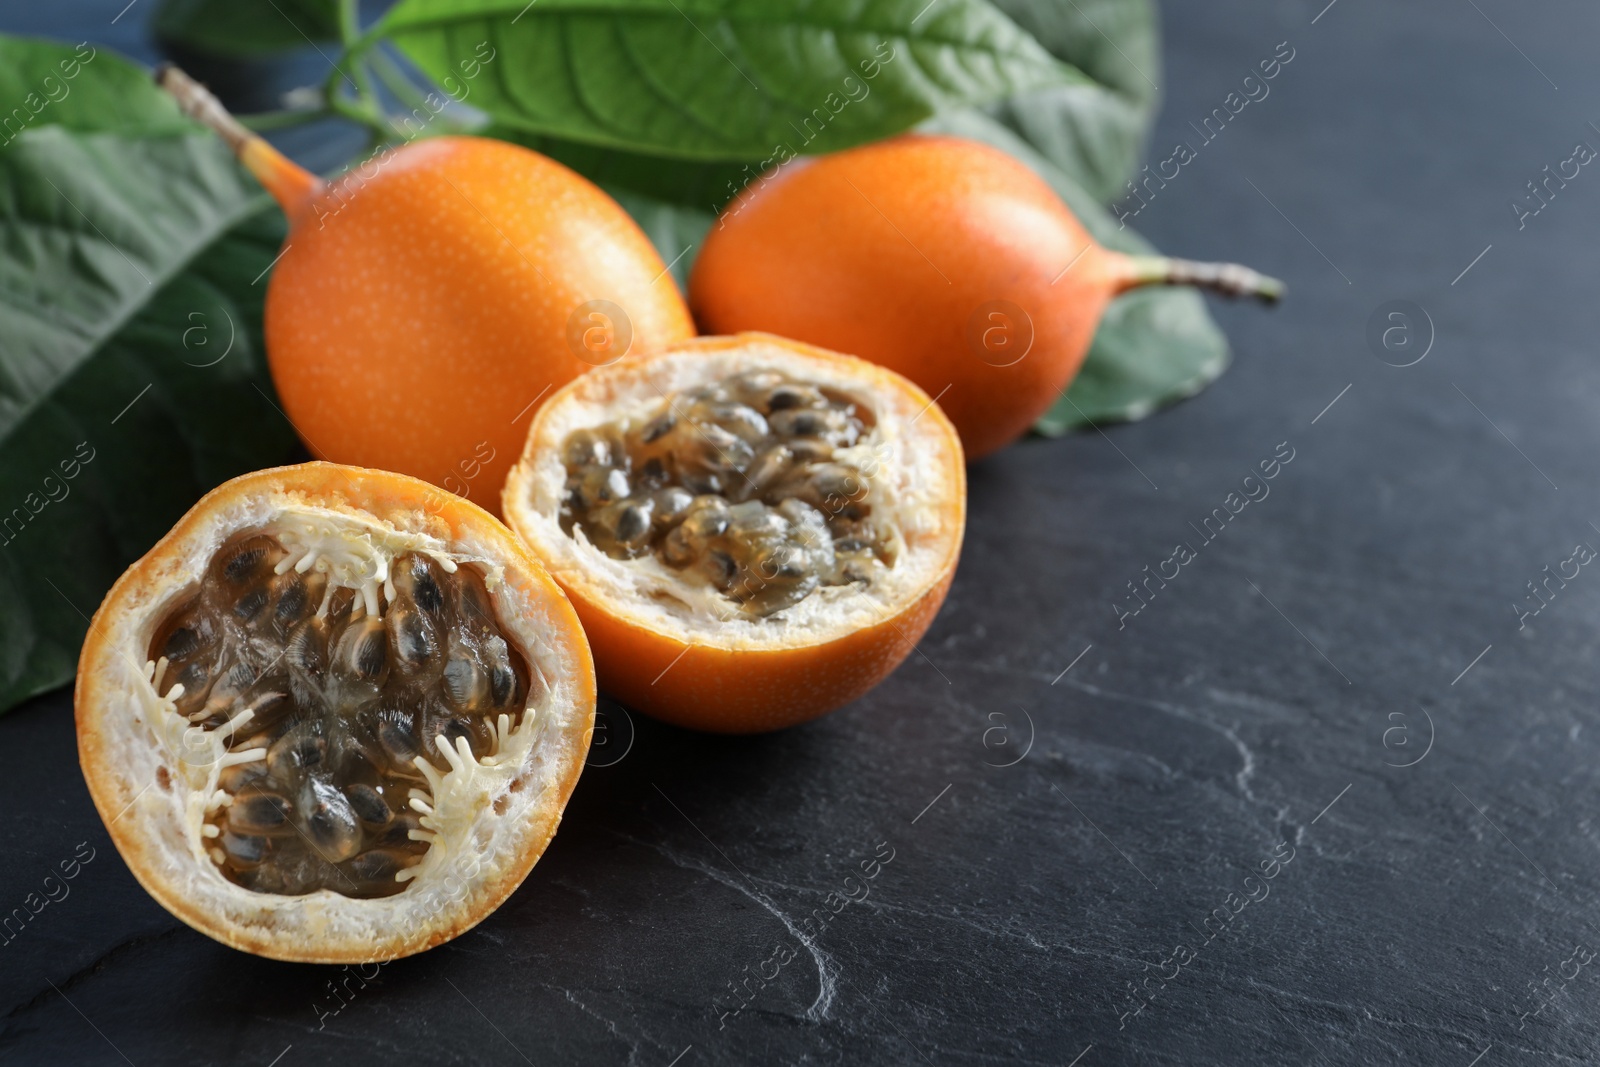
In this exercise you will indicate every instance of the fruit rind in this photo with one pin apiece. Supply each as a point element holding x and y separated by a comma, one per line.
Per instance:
<point>696,668</point>
<point>152,776</point>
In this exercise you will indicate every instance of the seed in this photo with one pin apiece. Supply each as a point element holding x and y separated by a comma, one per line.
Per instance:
<point>194,678</point>
<point>720,568</point>
<point>768,468</point>
<point>465,683</point>
<point>296,751</point>
<point>793,396</point>
<point>367,803</point>
<point>412,636</point>
<point>266,707</point>
<point>797,422</point>
<point>244,563</point>
<point>250,605</point>
<point>399,742</point>
<point>378,865</point>
<point>502,679</point>
<point>242,851</point>
<point>740,419</point>
<point>633,522</point>
<point>810,450</point>
<point>669,504</point>
<point>754,438</point>
<point>454,729</point>
<point>236,777</point>
<point>363,651</point>
<point>294,598</point>
<point>659,427</point>
<point>181,643</point>
<point>598,486</point>
<point>307,648</point>
<point>680,546</point>
<point>258,813</point>
<point>338,749</point>
<point>329,821</point>
<point>585,448</point>
<point>415,580</point>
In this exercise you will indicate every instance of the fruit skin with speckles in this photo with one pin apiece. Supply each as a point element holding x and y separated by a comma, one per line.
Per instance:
<point>417,314</point>
<point>938,257</point>
<point>426,300</point>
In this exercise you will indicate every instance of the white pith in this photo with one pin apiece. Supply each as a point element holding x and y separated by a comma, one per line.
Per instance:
<point>167,769</point>
<point>906,468</point>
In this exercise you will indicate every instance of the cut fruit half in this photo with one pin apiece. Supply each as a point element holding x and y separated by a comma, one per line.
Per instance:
<point>334,715</point>
<point>753,530</point>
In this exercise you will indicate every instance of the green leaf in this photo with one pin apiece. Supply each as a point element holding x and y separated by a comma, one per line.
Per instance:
<point>704,185</point>
<point>247,28</point>
<point>1154,346</point>
<point>81,87</point>
<point>722,79</point>
<point>676,231</point>
<point>1095,132</point>
<point>132,378</point>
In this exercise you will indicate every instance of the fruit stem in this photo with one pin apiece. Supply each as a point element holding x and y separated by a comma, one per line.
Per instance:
<point>290,184</point>
<point>1230,279</point>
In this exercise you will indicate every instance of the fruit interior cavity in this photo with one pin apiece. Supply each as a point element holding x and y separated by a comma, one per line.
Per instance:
<point>341,702</point>
<point>740,484</point>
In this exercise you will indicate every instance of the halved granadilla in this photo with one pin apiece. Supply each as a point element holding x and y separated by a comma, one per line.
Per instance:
<point>334,715</point>
<point>754,531</point>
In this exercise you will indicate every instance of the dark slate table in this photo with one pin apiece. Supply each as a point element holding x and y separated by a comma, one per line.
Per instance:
<point>1329,798</point>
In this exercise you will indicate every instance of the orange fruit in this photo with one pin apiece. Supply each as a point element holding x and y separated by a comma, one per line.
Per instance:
<point>938,257</point>
<point>754,531</point>
<point>334,715</point>
<point>427,299</point>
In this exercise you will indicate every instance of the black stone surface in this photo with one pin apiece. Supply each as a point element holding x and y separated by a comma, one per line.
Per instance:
<point>1357,619</point>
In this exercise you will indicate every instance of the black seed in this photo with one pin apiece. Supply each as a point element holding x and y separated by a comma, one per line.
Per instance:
<point>413,640</point>
<point>784,396</point>
<point>377,865</point>
<point>243,565</point>
<point>424,589</point>
<point>659,427</point>
<point>633,523</point>
<point>305,649</point>
<point>258,812</point>
<point>292,604</point>
<point>502,685</point>
<point>806,424</point>
<point>463,683</point>
<point>398,741</point>
<point>181,643</point>
<point>367,804</point>
<point>371,656</point>
<point>234,778</point>
<point>250,605</point>
<point>243,851</point>
<point>295,751</point>
<point>330,822</point>
<point>474,610</point>
<point>364,650</point>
